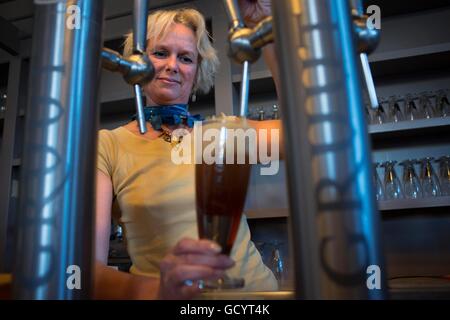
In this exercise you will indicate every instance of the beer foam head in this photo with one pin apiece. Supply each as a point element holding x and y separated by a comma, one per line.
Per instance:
<point>232,122</point>
<point>227,130</point>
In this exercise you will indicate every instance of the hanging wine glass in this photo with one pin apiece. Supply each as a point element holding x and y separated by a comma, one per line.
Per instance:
<point>411,184</point>
<point>426,106</point>
<point>392,185</point>
<point>430,182</point>
<point>444,175</point>
<point>442,104</point>
<point>395,113</point>
<point>412,112</point>
<point>379,190</point>
<point>379,115</point>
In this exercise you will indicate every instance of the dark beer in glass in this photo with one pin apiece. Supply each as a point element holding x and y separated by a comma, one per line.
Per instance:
<point>221,187</point>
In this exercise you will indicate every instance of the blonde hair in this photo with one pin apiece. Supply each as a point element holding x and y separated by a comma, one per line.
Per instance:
<point>159,24</point>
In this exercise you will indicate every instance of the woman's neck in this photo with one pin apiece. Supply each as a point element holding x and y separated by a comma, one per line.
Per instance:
<point>151,133</point>
<point>151,102</point>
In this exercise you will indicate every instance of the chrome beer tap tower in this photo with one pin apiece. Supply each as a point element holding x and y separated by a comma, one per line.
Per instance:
<point>55,244</point>
<point>322,49</point>
<point>322,52</point>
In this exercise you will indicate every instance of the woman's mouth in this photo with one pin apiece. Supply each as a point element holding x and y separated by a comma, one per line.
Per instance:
<point>169,81</point>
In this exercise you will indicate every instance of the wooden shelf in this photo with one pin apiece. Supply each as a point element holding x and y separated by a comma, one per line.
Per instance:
<point>387,205</point>
<point>267,213</point>
<point>254,75</point>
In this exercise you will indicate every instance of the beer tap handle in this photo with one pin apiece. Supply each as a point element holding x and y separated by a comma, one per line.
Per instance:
<point>237,23</point>
<point>368,39</point>
<point>140,13</point>
<point>234,16</point>
<point>370,85</point>
<point>245,87</point>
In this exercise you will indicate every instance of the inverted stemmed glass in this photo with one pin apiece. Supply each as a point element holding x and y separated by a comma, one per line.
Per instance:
<point>395,113</point>
<point>430,182</point>
<point>426,106</point>
<point>444,175</point>
<point>379,189</point>
<point>443,104</point>
<point>392,185</point>
<point>411,184</point>
<point>379,115</point>
<point>412,112</point>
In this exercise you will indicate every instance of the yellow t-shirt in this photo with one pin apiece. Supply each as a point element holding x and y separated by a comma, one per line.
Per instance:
<point>157,202</point>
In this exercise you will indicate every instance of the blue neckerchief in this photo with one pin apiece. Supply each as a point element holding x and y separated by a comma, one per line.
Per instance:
<point>169,115</point>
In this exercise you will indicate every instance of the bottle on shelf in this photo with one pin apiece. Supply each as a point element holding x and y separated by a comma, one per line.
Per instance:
<point>261,113</point>
<point>275,115</point>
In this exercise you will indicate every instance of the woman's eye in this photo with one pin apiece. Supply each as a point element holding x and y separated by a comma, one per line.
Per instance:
<point>160,54</point>
<point>186,59</point>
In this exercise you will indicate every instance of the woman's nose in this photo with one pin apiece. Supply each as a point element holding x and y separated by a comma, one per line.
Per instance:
<point>172,64</point>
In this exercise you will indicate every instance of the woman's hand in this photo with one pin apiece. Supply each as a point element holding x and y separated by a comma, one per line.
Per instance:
<point>254,11</point>
<point>191,260</point>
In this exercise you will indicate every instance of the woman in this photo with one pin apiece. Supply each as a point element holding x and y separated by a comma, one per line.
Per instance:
<point>155,196</point>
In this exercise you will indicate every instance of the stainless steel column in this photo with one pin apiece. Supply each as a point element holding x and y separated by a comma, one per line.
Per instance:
<point>56,223</point>
<point>334,218</point>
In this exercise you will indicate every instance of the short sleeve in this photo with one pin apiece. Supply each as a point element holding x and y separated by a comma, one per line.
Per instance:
<point>106,152</point>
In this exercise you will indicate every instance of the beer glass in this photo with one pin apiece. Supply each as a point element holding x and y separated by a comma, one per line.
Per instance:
<point>395,113</point>
<point>392,186</point>
<point>379,115</point>
<point>411,184</point>
<point>430,182</point>
<point>411,110</point>
<point>379,190</point>
<point>426,106</point>
<point>221,185</point>
<point>444,175</point>
<point>442,104</point>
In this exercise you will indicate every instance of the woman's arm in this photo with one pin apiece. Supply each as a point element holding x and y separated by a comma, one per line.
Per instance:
<point>188,260</point>
<point>271,61</point>
<point>271,129</point>
<point>253,12</point>
<point>110,283</point>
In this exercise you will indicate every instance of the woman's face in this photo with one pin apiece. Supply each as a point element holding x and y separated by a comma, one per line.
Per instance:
<point>175,60</point>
